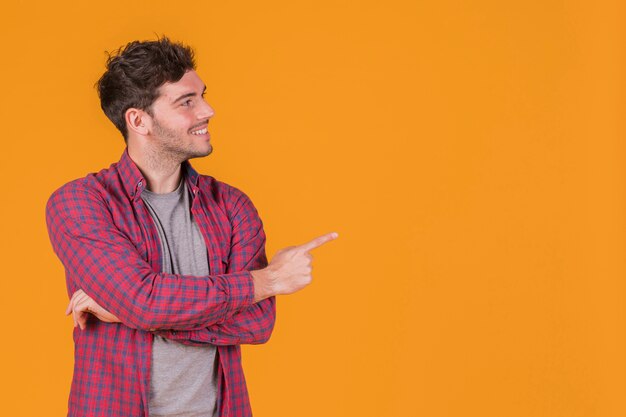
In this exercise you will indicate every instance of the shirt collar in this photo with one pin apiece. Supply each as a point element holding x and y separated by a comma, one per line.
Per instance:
<point>134,181</point>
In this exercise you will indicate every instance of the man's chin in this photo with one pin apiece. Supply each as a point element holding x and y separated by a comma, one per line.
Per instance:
<point>201,153</point>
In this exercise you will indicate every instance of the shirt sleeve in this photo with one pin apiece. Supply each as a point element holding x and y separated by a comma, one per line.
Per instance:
<point>250,324</point>
<point>104,263</point>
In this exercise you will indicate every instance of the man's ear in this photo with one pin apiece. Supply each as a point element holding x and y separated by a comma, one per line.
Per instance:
<point>138,121</point>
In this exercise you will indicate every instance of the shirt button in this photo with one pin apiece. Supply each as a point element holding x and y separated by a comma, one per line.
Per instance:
<point>173,332</point>
<point>212,340</point>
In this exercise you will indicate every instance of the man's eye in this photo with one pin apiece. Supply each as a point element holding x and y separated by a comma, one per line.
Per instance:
<point>187,103</point>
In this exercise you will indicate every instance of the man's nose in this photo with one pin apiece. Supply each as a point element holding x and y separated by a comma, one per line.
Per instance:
<point>206,111</point>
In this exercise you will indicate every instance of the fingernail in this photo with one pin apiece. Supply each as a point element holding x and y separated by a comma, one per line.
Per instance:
<point>335,235</point>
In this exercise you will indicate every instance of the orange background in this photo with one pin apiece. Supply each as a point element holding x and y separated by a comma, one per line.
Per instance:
<point>469,153</point>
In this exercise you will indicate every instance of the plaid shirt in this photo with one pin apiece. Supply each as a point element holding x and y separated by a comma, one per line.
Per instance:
<point>103,233</point>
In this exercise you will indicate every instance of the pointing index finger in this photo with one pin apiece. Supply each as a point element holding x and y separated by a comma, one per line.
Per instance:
<point>318,241</point>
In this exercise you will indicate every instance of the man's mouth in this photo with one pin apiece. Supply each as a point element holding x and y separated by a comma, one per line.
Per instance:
<point>202,131</point>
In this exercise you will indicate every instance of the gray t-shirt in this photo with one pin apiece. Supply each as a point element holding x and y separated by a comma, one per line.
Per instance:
<point>183,379</point>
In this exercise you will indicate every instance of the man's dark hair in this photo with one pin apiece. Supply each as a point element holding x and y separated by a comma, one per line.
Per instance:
<point>134,74</point>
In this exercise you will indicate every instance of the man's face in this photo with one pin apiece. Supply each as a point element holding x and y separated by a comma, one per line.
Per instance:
<point>181,118</point>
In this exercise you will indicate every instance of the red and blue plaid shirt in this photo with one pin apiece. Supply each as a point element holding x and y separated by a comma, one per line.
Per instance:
<point>103,233</point>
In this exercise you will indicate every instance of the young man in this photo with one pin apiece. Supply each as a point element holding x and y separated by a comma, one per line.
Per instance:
<point>166,267</point>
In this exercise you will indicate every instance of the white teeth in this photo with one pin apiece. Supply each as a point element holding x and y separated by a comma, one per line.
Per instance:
<point>200,132</point>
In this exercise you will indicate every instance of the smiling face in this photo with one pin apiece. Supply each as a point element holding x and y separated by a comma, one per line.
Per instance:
<point>180,119</point>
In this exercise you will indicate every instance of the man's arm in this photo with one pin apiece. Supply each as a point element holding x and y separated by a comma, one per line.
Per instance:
<point>111,271</point>
<point>289,272</point>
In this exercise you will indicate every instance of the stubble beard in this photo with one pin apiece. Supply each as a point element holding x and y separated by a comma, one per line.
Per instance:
<point>172,148</point>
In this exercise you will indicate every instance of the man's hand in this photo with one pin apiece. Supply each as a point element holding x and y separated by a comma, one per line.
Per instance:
<point>81,304</point>
<point>289,271</point>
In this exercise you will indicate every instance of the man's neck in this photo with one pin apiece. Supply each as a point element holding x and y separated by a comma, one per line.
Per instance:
<point>162,174</point>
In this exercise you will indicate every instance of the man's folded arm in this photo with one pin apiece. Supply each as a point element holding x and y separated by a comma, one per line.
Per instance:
<point>103,262</point>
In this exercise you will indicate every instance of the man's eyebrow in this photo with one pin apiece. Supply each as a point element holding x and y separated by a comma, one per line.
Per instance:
<point>187,95</point>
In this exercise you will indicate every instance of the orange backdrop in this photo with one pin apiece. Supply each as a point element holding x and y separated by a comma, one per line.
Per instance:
<point>469,153</point>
